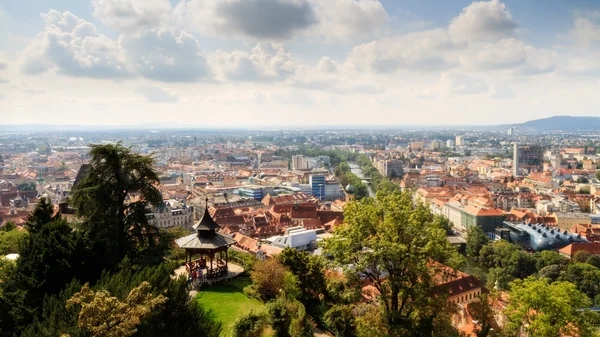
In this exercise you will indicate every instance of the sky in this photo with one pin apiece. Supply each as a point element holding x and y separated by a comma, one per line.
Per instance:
<point>248,63</point>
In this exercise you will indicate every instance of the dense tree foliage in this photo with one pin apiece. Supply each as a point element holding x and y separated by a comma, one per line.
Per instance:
<point>112,198</point>
<point>49,259</point>
<point>308,270</point>
<point>506,262</point>
<point>476,239</point>
<point>541,309</point>
<point>392,244</point>
<point>103,315</point>
<point>270,278</point>
<point>250,324</point>
<point>10,239</point>
<point>340,319</point>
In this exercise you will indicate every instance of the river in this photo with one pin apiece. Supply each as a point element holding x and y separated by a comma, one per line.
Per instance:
<point>354,168</point>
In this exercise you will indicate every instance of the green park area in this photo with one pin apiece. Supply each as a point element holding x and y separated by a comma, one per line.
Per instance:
<point>226,302</point>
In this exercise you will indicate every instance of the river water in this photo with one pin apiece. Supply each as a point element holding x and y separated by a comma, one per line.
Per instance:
<point>354,168</point>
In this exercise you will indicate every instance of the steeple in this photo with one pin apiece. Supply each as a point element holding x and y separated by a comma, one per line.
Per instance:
<point>206,225</point>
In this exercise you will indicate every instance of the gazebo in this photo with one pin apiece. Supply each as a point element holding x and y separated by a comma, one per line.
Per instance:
<point>209,244</point>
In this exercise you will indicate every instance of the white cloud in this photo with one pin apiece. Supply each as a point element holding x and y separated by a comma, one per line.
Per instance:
<point>132,15</point>
<point>452,84</point>
<point>349,19</point>
<point>257,19</point>
<point>483,20</point>
<point>157,94</point>
<point>266,62</point>
<point>430,50</point>
<point>169,55</point>
<point>278,20</point>
<point>74,48</point>
<point>586,29</point>
<point>327,76</point>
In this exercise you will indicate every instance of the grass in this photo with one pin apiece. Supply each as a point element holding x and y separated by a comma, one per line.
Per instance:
<point>226,302</point>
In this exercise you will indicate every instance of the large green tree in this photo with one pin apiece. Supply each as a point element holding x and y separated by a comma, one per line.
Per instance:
<point>476,239</point>
<point>541,309</point>
<point>112,199</point>
<point>49,259</point>
<point>308,269</point>
<point>585,277</point>
<point>391,242</point>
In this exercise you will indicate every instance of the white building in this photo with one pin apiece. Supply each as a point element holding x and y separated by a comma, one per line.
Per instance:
<point>295,237</point>
<point>460,141</point>
<point>172,214</point>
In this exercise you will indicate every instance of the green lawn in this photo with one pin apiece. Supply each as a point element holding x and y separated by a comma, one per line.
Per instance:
<point>226,302</point>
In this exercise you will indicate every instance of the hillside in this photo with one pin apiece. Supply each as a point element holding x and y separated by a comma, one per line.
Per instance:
<point>561,123</point>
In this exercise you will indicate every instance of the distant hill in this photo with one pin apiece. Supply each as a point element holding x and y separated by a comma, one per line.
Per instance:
<point>561,123</point>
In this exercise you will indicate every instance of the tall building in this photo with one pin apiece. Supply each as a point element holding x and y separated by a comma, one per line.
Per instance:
<point>512,131</point>
<point>436,144</point>
<point>298,162</point>
<point>527,157</point>
<point>460,141</point>
<point>449,143</point>
<point>317,183</point>
<point>556,160</point>
<point>390,168</point>
<point>416,146</point>
<point>515,159</point>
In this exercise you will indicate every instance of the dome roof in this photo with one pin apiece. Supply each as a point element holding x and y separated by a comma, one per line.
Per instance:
<point>350,188</point>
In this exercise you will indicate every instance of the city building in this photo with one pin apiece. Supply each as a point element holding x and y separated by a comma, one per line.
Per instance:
<point>172,214</point>
<point>566,221</point>
<point>416,146</point>
<point>436,144</point>
<point>460,141</point>
<point>297,238</point>
<point>254,192</point>
<point>538,237</point>
<point>317,184</point>
<point>528,158</point>
<point>390,168</point>
<point>449,143</point>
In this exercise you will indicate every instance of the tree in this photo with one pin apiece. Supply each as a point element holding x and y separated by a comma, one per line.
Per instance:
<point>551,272</point>
<point>103,315</point>
<point>8,226</point>
<point>288,318</point>
<point>49,259</point>
<point>41,215</point>
<point>443,222</point>
<point>250,324</point>
<point>548,258</point>
<point>541,309</point>
<point>585,277</point>
<point>392,243</point>
<point>340,319</point>
<point>476,239</point>
<point>594,260</point>
<point>115,219</point>
<point>308,270</point>
<point>581,256</point>
<point>10,240</point>
<point>270,278</point>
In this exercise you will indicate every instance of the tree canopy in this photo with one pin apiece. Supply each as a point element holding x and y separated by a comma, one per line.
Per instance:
<point>542,309</point>
<point>392,243</point>
<point>112,198</point>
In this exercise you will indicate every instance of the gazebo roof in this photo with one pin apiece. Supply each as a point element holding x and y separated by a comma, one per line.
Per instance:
<point>206,236</point>
<point>195,241</point>
<point>206,223</point>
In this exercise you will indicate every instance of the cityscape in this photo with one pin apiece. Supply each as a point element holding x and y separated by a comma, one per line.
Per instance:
<point>368,168</point>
